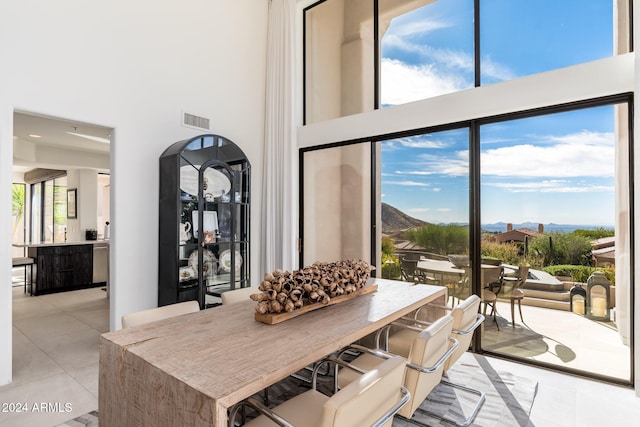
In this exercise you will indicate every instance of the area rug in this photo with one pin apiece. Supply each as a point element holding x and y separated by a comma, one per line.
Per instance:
<point>509,398</point>
<point>87,420</point>
<point>508,403</point>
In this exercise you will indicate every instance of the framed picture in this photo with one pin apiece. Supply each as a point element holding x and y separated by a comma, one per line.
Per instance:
<point>72,203</point>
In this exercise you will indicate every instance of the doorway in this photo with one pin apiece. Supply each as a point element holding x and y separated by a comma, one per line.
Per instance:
<point>55,159</point>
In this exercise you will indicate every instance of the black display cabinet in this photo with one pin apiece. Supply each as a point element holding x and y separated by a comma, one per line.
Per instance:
<point>204,220</point>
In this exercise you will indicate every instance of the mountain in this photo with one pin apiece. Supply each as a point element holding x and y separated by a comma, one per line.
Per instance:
<point>394,220</point>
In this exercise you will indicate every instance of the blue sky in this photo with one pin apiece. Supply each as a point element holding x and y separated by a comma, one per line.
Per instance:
<point>557,168</point>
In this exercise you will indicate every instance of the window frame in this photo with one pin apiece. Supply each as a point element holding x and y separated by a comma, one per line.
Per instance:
<point>475,229</point>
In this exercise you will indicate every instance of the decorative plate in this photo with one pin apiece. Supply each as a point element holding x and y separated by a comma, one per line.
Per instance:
<point>208,259</point>
<point>186,273</point>
<point>215,182</point>
<point>225,261</point>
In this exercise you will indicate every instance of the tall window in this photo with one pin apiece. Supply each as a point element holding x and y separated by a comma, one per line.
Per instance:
<point>541,183</point>
<point>426,48</point>
<point>339,54</point>
<point>427,176</point>
<point>49,210</point>
<point>426,51</point>
<point>519,38</point>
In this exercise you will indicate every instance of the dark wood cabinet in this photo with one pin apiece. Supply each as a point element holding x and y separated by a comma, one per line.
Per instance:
<point>204,220</point>
<point>61,268</point>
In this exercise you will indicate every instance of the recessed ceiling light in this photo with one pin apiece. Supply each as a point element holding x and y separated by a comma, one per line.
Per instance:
<point>33,135</point>
<point>91,137</point>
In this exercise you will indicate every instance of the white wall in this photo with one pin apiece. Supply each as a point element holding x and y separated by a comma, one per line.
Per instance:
<point>85,181</point>
<point>134,67</point>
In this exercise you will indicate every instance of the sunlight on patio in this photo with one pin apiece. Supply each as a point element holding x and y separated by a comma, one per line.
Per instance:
<point>558,337</point>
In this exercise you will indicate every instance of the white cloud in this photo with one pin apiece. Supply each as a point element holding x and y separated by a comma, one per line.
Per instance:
<point>417,142</point>
<point>600,139</point>
<point>442,58</point>
<point>551,186</point>
<point>495,71</point>
<point>413,28</point>
<point>419,173</point>
<point>437,190</point>
<point>429,164</point>
<point>407,183</point>
<point>418,210</point>
<point>444,209</point>
<point>402,83</point>
<point>588,154</point>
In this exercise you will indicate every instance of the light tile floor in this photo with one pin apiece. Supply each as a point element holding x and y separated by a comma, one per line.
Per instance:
<point>56,354</point>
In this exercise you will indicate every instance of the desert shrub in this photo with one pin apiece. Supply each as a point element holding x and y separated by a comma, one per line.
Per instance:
<point>387,246</point>
<point>390,267</point>
<point>580,273</point>
<point>561,248</point>
<point>390,263</point>
<point>441,239</point>
<point>507,252</point>
<point>594,234</point>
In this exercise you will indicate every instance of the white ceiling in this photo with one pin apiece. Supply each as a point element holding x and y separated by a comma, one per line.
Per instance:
<point>53,132</point>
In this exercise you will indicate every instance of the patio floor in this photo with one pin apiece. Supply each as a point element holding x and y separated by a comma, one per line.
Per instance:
<point>559,337</point>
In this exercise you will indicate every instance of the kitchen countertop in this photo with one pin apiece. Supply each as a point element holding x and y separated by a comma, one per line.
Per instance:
<point>77,242</point>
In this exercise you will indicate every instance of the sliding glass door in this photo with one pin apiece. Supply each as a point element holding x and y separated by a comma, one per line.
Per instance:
<point>555,198</point>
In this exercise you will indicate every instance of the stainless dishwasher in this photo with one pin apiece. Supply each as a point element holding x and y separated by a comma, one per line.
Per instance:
<point>101,263</point>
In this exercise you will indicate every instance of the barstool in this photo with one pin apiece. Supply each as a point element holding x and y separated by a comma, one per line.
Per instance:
<point>25,262</point>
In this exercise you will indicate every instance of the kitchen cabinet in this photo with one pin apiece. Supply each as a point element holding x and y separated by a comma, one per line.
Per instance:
<point>204,220</point>
<point>62,267</point>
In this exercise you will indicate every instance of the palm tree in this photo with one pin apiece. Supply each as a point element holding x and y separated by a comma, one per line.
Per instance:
<point>17,206</point>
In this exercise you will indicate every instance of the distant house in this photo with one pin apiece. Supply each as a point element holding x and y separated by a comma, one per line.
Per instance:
<point>603,252</point>
<point>519,235</point>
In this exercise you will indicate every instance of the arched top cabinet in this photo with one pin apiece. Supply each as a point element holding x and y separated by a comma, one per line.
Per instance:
<point>205,196</point>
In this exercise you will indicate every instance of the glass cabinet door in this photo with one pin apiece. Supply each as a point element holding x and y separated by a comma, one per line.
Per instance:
<point>212,180</point>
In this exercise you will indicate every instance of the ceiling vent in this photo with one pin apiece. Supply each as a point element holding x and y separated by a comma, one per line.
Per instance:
<point>193,121</point>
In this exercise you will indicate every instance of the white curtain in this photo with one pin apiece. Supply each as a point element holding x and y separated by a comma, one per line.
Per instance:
<point>279,249</point>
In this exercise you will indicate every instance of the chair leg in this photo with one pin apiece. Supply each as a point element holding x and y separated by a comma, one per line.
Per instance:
<point>520,310</point>
<point>31,280</point>
<point>495,312</point>
<point>25,279</point>
<point>467,421</point>
<point>513,317</point>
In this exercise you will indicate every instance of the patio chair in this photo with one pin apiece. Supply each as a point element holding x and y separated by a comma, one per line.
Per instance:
<point>460,287</point>
<point>408,268</point>
<point>511,290</point>
<point>492,278</point>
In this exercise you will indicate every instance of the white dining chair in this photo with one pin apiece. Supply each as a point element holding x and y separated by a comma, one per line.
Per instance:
<point>237,295</point>
<point>430,349</point>
<point>151,315</point>
<point>371,400</point>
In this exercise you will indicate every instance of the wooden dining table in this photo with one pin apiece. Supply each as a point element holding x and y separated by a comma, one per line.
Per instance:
<point>188,370</point>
